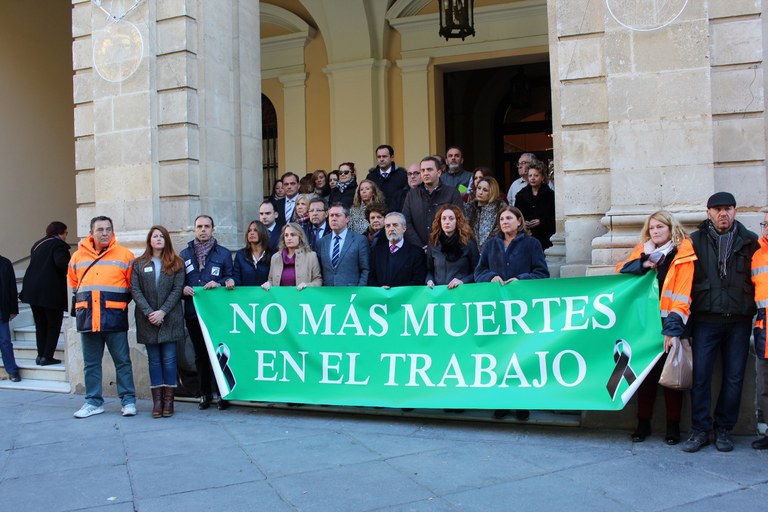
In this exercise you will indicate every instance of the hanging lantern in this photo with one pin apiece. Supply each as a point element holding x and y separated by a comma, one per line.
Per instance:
<point>457,18</point>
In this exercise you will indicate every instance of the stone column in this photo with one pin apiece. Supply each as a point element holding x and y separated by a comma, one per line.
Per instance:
<point>358,108</point>
<point>295,122</point>
<point>416,126</point>
<point>178,137</point>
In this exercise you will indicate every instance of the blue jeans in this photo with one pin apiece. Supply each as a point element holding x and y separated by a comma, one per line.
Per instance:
<point>162,364</point>
<point>732,341</point>
<point>93,352</point>
<point>6,348</point>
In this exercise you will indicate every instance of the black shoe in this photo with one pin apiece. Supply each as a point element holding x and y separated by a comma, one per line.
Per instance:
<point>760,444</point>
<point>222,404</point>
<point>47,361</point>
<point>696,441</point>
<point>673,433</point>
<point>37,360</point>
<point>723,441</point>
<point>522,414</point>
<point>642,431</point>
<point>15,377</point>
<point>205,402</point>
<point>500,414</point>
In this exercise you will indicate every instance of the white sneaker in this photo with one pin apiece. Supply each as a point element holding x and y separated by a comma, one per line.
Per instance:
<point>88,410</point>
<point>129,410</point>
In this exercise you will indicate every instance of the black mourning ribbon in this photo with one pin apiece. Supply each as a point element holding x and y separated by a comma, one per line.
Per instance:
<point>222,354</point>
<point>622,353</point>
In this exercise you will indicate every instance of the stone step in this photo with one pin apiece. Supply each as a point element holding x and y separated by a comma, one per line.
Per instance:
<point>27,332</point>
<point>29,370</point>
<point>26,349</point>
<point>50,386</point>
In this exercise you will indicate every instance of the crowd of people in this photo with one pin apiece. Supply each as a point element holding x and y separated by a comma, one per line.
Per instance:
<point>433,224</point>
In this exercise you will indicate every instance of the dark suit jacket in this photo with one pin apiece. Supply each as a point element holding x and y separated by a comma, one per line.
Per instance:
<point>353,267</point>
<point>309,231</point>
<point>45,281</point>
<point>274,236</point>
<point>406,267</point>
<point>280,221</point>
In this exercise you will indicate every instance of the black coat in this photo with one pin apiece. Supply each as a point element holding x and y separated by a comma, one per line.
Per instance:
<point>9,302</point>
<point>406,267</point>
<point>394,187</point>
<point>542,207</point>
<point>346,198</point>
<point>45,281</point>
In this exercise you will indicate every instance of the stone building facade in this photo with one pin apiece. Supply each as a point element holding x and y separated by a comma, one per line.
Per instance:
<point>640,119</point>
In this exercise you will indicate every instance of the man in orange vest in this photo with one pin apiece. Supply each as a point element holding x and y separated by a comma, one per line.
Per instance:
<point>722,309</point>
<point>100,274</point>
<point>760,280</point>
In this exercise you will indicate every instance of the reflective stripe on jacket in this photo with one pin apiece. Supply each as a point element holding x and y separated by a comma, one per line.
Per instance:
<point>101,304</point>
<point>676,291</point>
<point>760,273</point>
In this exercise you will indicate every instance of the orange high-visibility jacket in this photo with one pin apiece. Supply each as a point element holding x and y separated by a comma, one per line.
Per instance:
<point>676,291</point>
<point>760,273</point>
<point>103,295</point>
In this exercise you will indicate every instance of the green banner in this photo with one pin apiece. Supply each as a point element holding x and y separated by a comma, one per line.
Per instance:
<point>580,343</point>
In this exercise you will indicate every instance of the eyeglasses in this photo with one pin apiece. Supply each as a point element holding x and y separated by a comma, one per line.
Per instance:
<point>317,210</point>
<point>520,164</point>
<point>414,173</point>
<point>344,173</point>
<point>763,225</point>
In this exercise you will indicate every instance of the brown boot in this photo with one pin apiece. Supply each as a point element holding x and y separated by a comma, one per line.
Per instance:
<point>168,401</point>
<point>157,401</point>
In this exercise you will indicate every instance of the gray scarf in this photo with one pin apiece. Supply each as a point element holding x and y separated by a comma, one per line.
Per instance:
<point>724,245</point>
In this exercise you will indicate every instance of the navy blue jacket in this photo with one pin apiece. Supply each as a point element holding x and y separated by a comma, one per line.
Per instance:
<point>245,274</point>
<point>218,267</point>
<point>523,259</point>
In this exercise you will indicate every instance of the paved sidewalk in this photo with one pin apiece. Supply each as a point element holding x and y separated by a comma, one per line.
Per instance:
<point>259,459</point>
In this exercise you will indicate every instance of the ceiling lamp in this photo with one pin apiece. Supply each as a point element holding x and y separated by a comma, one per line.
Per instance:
<point>457,18</point>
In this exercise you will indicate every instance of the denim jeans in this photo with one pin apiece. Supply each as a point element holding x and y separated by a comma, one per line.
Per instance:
<point>6,348</point>
<point>162,364</point>
<point>93,352</point>
<point>731,340</point>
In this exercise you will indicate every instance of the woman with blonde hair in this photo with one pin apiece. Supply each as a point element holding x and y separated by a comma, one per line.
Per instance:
<point>367,193</point>
<point>664,247</point>
<point>482,212</point>
<point>452,255</point>
<point>157,282</point>
<point>294,263</point>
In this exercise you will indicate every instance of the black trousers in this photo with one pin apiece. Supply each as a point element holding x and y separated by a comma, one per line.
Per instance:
<point>202,361</point>
<point>47,329</point>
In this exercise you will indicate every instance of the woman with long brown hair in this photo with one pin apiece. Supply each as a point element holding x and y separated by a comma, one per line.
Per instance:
<point>510,256</point>
<point>251,266</point>
<point>453,253</point>
<point>157,282</point>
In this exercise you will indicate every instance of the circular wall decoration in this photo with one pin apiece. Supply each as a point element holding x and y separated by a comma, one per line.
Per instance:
<point>645,15</point>
<point>117,50</point>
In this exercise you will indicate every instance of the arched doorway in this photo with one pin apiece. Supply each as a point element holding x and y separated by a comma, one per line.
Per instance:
<point>268,144</point>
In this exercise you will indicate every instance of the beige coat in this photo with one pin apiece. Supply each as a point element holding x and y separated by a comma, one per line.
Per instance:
<point>307,269</point>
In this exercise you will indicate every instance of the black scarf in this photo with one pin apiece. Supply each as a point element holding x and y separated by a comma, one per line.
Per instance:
<point>450,246</point>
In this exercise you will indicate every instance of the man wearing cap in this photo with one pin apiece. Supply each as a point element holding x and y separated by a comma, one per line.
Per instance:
<point>722,308</point>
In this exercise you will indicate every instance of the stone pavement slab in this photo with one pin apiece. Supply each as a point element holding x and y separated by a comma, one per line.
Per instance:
<point>297,459</point>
